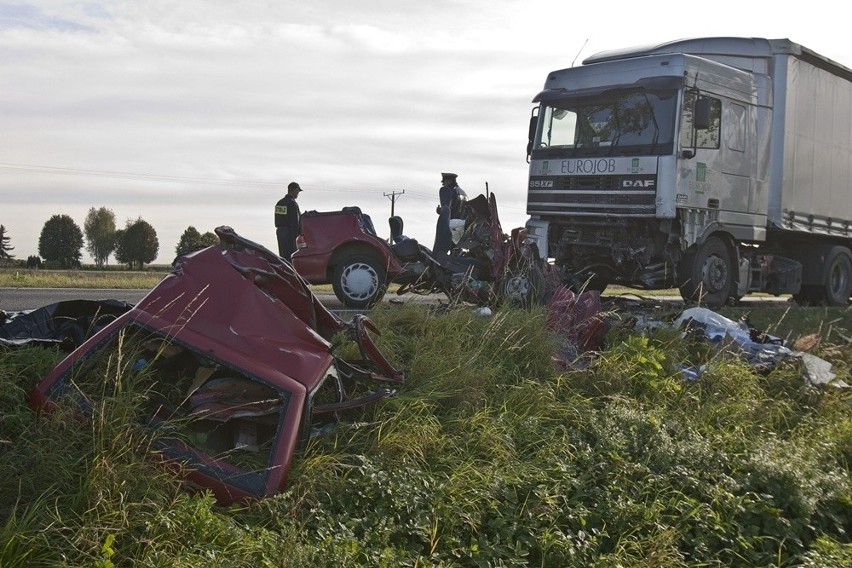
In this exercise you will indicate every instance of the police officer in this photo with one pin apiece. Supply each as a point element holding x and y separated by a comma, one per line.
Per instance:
<point>288,221</point>
<point>450,204</point>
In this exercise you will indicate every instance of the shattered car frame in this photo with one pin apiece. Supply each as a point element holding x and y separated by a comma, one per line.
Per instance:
<point>235,355</point>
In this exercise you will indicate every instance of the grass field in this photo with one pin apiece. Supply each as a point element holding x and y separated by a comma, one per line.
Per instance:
<point>27,278</point>
<point>489,455</point>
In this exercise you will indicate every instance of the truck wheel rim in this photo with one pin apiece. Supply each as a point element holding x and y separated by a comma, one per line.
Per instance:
<point>360,281</point>
<point>715,274</point>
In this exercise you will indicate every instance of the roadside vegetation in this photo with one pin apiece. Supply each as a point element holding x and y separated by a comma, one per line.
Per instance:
<point>118,278</point>
<point>489,455</point>
<point>61,242</point>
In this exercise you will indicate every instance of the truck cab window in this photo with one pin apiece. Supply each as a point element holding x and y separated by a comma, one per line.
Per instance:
<point>703,138</point>
<point>559,128</point>
<point>617,121</point>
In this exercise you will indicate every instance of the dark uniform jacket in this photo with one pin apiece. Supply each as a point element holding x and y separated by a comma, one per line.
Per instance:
<point>288,225</point>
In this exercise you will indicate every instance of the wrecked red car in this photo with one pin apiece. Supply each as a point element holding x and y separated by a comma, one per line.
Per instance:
<point>342,248</point>
<point>236,358</point>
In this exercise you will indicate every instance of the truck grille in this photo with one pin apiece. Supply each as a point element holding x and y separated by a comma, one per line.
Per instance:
<point>599,196</point>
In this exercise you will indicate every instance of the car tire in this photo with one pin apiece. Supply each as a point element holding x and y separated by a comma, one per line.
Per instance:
<point>359,281</point>
<point>523,286</point>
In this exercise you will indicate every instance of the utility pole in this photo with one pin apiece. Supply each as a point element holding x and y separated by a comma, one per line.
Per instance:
<point>392,197</point>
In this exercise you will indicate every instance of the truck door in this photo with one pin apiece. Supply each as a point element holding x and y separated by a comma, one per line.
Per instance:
<point>717,173</point>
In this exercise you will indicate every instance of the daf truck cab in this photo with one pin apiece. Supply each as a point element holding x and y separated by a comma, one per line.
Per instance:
<point>699,164</point>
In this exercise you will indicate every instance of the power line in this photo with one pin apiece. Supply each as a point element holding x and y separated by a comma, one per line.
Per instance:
<point>53,170</point>
<point>392,196</point>
<point>157,178</point>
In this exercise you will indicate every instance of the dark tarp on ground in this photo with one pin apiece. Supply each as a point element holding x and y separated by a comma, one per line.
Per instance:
<point>64,324</point>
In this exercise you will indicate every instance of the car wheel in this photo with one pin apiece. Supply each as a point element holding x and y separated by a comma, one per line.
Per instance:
<point>523,286</point>
<point>359,281</point>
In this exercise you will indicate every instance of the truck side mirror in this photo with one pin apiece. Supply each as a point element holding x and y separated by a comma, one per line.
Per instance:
<point>701,116</point>
<point>531,131</point>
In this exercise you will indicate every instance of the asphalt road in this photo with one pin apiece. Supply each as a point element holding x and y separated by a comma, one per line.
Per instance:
<point>21,299</point>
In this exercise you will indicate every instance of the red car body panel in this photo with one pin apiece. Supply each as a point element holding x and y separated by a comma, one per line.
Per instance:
<point>242,312</point>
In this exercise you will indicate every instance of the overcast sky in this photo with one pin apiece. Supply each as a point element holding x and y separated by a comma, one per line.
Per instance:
<point>199,113</point>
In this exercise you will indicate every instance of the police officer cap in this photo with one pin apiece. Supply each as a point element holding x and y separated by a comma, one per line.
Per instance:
<point>449,176</point>
<point>293,185</point>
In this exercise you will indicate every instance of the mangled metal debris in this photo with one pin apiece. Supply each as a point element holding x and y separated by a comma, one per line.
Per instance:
<point>576,322</point>
<point>759,350</point>
<point>236,356</point>
<point>579,325</point>
<point>762,351</point>
<point>63,324</point>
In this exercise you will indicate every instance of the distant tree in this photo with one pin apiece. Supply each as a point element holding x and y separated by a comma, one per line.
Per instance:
<point>120,255</point>
<point>136,243</point>
<point>192,240</point>
<point>33,262</point>
<point>99,228</point>
<point>60,241</point>
<point>4,245</point>
<point>209,239</point>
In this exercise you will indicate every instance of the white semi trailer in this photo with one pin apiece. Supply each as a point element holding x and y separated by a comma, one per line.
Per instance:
<point>719,165</point>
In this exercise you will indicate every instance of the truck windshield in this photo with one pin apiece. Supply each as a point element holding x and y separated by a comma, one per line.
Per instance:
<point>618,121</point>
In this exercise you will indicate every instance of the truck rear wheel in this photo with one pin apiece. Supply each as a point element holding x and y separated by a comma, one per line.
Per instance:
<point>836,280</point>
<point>359,281</point>
<point>706,275</point>
<point>837,276</point>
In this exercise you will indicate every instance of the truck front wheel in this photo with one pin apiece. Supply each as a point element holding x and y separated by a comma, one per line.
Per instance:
<point>359,281</point>
<point>706,275</point>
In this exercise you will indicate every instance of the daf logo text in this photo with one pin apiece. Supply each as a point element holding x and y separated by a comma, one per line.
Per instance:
<point>638,183</point>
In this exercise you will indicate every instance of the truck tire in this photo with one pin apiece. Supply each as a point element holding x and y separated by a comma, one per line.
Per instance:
<point>706,275</point>
<point>837,276</point>
<point>359,281</point>
<point>523,286</point>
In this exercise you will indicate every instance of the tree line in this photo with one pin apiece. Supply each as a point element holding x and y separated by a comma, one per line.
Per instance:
<point>61,241</point>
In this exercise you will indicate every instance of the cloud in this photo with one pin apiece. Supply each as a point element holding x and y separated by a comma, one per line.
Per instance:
<point>199,113</point>
<point>27,16</point>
